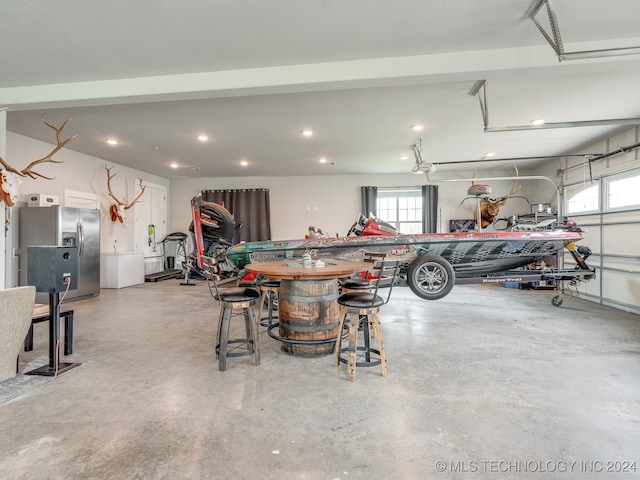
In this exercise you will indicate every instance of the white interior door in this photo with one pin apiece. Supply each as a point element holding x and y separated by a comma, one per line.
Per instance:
<point>151,223</point>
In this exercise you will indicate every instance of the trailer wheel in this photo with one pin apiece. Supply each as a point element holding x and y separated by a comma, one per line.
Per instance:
<point>431,277</point>
<point>556,301</point>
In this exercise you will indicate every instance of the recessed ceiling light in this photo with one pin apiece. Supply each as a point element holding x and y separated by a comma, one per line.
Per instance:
<point>112,141</point>
<point>537,122</point>
<point>489,155</point>
<point>307,133</point>
<point>173,165</point>
<point>322,160</point>
<point>404,157</point>
<point>203,138</point>
<point>417,128</point>
<point>244,163</point>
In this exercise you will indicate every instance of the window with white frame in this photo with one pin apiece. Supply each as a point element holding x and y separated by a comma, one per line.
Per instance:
<point>582,198</point>
<point>402,208</point>
<point>622,191</point>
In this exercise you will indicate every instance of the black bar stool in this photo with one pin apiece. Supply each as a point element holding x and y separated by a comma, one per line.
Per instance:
<point>233,299</point>
<point>359,284</point>
<point>360,308</point>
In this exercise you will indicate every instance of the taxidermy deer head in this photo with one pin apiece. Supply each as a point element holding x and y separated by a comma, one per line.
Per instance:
<point>10,177</point>
<point>117,210</point>
<point>490,207</point>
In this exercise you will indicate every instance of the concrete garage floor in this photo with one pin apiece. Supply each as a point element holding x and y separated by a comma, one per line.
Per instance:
<point>488,382</point>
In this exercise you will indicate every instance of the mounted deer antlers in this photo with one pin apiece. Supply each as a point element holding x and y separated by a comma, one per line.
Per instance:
<point>10,177</point>
<point>490,207</point>
<point>117,211</point>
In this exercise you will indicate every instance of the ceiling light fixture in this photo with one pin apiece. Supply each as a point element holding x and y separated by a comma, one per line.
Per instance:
<point>404,157</point>
<point>203,138</point>
<point>538,122</point>
<point>323,160</point>
<point>112,141</point>
<point>176,166</point>
<point>417,128</point>
<point>489,155</point>
<point>243,163</point>
<point>307,133</point>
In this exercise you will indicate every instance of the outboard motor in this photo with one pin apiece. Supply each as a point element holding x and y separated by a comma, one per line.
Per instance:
<point>218,231</point>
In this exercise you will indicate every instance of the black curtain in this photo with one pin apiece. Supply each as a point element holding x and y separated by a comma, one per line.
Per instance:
<point>369,196</point>
<point>429,208</point>
<point>249,207</point>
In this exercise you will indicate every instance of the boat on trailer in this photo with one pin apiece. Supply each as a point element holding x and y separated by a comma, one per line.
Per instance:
<point>434,262</point>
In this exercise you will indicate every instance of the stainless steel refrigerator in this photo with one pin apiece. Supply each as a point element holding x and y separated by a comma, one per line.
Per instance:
<point>64,227</point>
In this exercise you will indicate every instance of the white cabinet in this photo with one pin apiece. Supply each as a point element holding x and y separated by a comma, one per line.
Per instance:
<point>118,270</point>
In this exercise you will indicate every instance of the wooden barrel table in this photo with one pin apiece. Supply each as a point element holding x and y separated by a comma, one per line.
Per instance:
<point>308,311</point>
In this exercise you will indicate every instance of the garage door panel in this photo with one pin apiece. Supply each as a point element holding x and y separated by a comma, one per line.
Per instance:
<point>618,239</point>
<point>621,287</point>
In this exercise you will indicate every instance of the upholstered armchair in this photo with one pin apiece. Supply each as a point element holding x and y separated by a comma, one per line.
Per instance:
<point>16,310</point>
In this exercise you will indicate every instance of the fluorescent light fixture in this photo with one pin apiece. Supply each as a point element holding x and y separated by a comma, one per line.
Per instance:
<point>174,165</point>
<point>307,133</point>
<point>203,138</point>
<point>323,160</point>
<point>244,163</point>
<point>489,155</point>
<point>417,128</point>
<point>538,122</point>
<point>112,141</point>
<point>404,157</point>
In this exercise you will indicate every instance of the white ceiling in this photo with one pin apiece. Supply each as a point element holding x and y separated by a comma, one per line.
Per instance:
<point>253,73</point>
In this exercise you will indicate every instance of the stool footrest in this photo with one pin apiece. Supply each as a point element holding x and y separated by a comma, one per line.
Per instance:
<point>290,343</point>
<point>266,321</point>
<point>363,353</point>
<point>235,351</point>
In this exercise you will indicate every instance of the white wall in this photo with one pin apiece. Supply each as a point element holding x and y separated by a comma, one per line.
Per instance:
<point>331,202</point>
<point>78,172</point>
<point>4,280</point>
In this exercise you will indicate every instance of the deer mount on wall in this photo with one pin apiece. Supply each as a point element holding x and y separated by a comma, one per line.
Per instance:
<point>117,210</point>
<point>10,178</point>
<point>488,208</point>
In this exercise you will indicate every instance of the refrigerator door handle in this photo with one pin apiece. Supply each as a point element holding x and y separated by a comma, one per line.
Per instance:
<point>80,239</point>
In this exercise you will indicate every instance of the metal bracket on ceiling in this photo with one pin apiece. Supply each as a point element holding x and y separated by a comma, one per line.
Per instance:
<point>479,89</point>
<point>555,39</point>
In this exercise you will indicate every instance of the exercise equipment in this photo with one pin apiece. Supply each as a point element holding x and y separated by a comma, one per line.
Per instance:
<point>169,262</point>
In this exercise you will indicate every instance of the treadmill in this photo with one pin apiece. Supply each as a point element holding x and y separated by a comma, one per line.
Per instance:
<point>169,262</point>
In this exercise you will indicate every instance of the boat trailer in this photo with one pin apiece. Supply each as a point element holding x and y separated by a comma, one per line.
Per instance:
<point>581,273</point>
